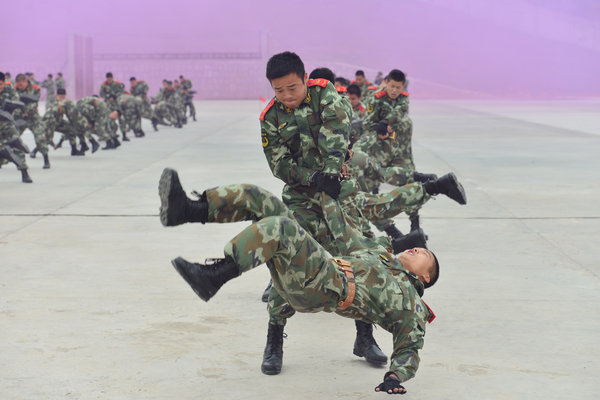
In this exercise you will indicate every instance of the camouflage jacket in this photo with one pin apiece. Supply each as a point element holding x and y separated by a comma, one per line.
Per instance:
<point>8,93</point>
<point>140,90</point>
<point>186,84</point>
<point>60,83</point>
<point>390,296</point>
<point>95,110</point>
<point>55,113</point>
<point>31,109</point>
<point>110,91</point>
<point>312,137</point>
<point>165,94</point>
<point>381,107</point>
<point>50,87</point>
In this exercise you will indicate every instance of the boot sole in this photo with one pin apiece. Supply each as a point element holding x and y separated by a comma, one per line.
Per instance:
<point>203,292</point>
<point>165,186</point>
<point>270,372</point>
<point>459,194</point>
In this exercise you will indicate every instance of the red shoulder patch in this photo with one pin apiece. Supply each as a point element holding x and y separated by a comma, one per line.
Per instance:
<point>267,108</point>
<point>36,87</point>
<point>317,82</point>
<point>105,83</point>
<point>380,94</point>
<point>352,82</point>
<point>403,93</point>
<point>373,87</point>
<point>361,108</point>
<point>431,311</point>
<point>341,89</point>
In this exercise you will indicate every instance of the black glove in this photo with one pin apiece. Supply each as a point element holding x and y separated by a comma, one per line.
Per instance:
<point>382,128</point>
<point>328,183</point>
<point>389,384</point>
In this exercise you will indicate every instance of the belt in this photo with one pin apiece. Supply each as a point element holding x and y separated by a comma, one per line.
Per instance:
<point>345,267</point>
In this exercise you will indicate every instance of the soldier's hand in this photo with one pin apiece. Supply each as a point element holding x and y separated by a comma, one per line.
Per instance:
<point>391,385</point>
<point>328,183</point>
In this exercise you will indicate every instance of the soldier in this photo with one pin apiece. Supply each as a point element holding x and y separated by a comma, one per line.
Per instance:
<point>31,78</point>
<point>379,78</point>
<point>368,284</point>
<point>97,114</point>
<point>110,90</point>
<point>179,102</point>
<point>188,96</point>
<point>165,104</point>
<point>8,78</point>
<point>130,115</point>
<point>12,148</point>
<point>305,130</point>
<point>50,87</point>
<point>361,81</point>
<point>140,90</point>
<point>30,95</point>
<point>358,112</point>
<point>60,82</point>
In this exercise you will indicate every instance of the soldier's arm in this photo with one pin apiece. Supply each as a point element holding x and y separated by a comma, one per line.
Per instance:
<point>335,130</point>
<point>279,156</point>
<point>104,92</point>
<point>408,335</point>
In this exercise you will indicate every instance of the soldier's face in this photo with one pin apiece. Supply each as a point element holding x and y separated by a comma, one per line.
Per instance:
<point>114,115</point>
<point>419,261</point>
<point>109,80</point>
<point>22,84</point>
<point>360,80</point>
<point>133,83</point>
<point>354,100</point>
<point>60,97</point>
<point>394,88</point>
<point>290,89</point>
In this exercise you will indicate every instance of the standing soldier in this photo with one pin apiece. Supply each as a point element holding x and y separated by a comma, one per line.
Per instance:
<point>188,96</point>
<point>31,78</point>
<point>110,90</point>
<point>179,102</point>
<point>304,131</point>
<point>60,82</point>
<point>97,114</point>
<point>30,95</point>
<point>358,112</point>
<point>50,87</point>
<point>9,135</point>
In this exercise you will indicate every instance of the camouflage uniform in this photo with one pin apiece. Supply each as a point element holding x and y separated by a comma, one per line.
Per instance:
<point>164,105</point>
<point>60,83</point>
<point>75,126</point>
<point>50,87</point>
<point>110,92</point>
<point>141,91</point>
<point>8,130</point>
<point>34,122</point>
<point>356,127</point>
<point>96,113</point>
<point>130,108</point>
<point>186,85</point>
<point>310,280</point>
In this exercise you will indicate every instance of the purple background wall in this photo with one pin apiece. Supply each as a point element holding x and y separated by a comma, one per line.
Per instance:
<point>461,49</point>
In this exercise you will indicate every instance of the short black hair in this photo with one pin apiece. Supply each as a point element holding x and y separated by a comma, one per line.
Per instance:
<point>353,89</point>
<point>360,72</point>
<point>50,76</point>
<point>434,273</point>
<point>2,76</point>
<point>7,73</point>
<point>343,81</point>
<point>322,73</point>
<point>180,76</point>
<point>59,74</point>
<point>109,75</point>
<point>397,75</point>
<point>283,64</point>
<point>132,79</point>
<point>20,77</point>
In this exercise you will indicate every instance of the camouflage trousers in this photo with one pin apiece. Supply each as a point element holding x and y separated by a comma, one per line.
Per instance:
<point>146,108</point>
<point>8,132</point>
<point>166,112</point>
<point>35,124</point>
<point>131,115</point>
<point>302,271</point>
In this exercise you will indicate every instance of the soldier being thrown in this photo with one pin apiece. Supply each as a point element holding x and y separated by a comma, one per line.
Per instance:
<point>368,284</point>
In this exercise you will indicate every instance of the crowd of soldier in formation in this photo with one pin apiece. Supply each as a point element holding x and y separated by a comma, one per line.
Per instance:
<point>86,122</point>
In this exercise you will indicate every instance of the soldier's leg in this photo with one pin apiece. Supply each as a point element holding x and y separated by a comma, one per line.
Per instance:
<point>37,128</point>
<point>408,198</point>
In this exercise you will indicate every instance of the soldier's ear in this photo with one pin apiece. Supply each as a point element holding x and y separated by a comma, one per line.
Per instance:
<point>426,277</point>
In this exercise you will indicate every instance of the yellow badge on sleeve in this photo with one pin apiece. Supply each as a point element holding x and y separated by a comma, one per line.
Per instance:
<point>265,141</point>
<point>370,108</point>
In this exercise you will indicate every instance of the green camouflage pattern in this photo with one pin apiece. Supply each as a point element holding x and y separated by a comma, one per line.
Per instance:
<point>130,108</point>
<point>308,278</point>
<point>60,83</point>
<point>96,112</point>
<point>76,125</point>
<point>34,122</point>
<point>50,87</point>
<point>141,91</point>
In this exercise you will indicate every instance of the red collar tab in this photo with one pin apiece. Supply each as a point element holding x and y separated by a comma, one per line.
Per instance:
<point>380,94</point>
<point>430,311</point>
<point>267,108</point>
<point>341,89</point>
<point>317,82</point>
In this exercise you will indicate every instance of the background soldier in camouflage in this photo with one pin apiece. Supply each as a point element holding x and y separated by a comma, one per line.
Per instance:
<point>358,112</point>
<point>164,101</point>
<point>188,96</point>
<point>361,81</point>
<point>9,134</point>
<point>130,115</point>
<point>140,90</point>
<point>50,87</point>
<point>30,94</point>
<point>97,114</point>
<point>110,90</point>
<point>368,284</point>
<point>8,78</point>
<point>60,82</point>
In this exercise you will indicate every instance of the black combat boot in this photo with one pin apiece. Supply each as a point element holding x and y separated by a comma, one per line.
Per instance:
<point>46,161</point>
<point>392,231</point>
<point>207,279</point>
<point>25,178</point>
<point>84,146</point>
<point>125,138</point>
<point>115,142</point>
<point>175,207</point>
<point>8,154</point>
<point>75,152</point>
<point>194,117</point>
<point>416,238</point>
<point>267,292</point>
<point>273,355</point>
<point>155,124</point>
<point>109,145</point>
<point>139,133</point>
<point>33,152</point>
<point>366,346</point>
<point>95,145</point>
<point>421,177</point>
<point>60,142</point>
<point>448,185</point>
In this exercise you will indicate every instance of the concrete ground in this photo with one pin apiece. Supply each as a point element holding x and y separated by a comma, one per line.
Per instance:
<point>91,308</point>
